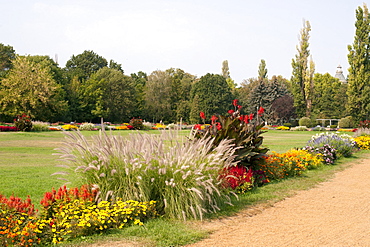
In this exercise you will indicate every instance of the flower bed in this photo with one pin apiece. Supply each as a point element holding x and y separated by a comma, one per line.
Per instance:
<point>66,214</point>
<point>363,142</point>
<point>8,128</point>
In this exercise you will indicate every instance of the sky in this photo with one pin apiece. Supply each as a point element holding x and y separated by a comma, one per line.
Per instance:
<point>193,35</point>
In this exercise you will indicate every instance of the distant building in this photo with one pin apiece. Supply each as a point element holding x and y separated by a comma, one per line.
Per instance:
<point>339,75</point>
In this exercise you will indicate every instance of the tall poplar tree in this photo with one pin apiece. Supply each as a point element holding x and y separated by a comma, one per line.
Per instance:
<point>262,71</point>
<point>359,72</point>
<point>302,75</point>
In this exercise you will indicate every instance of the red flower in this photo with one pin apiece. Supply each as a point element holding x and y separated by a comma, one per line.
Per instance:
<point>241,118</point>
<point>251,116</point>
<point>261,111</point>
<point>230,112</point>
<point>239,107</point>
<point>202,116</point>
<point>213,119</point>
<point>235,102</point>
<point>218,126</point>
<point>198,127</point>
<point>246,119</point>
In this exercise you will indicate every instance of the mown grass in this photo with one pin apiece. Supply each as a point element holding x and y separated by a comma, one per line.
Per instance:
<point>26,163</point>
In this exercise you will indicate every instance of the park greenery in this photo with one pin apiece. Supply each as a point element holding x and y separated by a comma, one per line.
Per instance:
<point>90,87</point>
<point>207,147</point>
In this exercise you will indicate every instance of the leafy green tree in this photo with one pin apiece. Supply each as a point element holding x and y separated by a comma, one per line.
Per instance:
<point>116,66</point>
<point>329,97</point>
<point>195,110</point>
<point>85,64</point>
<point>47,62</point>
<point>358,104</point>
<point>139,82</point>
<point>214,94</point>
<point>108,93</point>
<point>244,93</point>
<point>158,93</point>
<point>7,54</point>
<point>301,80</point>
<point>31,89</point>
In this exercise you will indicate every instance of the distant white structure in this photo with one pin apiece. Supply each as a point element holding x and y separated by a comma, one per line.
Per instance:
<point>339,75</point>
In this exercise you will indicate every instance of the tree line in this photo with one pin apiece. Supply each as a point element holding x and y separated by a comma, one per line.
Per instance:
<point>89,88</point>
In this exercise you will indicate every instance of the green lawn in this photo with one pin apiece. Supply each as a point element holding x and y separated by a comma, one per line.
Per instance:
<point>27,160</point>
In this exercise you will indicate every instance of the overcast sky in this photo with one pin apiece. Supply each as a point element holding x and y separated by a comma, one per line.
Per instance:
<point>193,35</point>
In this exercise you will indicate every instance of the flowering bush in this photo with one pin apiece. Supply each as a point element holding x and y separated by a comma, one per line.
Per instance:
<point>364,124</point>
<point>363,142</point>
<point>282,128</point>
<point>74,213</point>
<point>69,127</point>
<point>347,130</point>
<point>8,128</point>
<point>343,144</point>
<point>137,123</point>
<point>23,122</point>
<point>18,222</point>
<point>237,178</point>
<point>327,152</point>
<point>124,127</point>
<point>81,218</point>
<point>87,126</point>
<point>53,200</point>
<point>291,163</point>
<point>244,131</point>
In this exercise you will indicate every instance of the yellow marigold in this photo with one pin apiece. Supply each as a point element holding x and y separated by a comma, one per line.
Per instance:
<point>363,142</point>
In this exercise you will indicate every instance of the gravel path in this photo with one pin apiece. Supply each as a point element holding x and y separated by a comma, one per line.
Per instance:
<point>335,213</point>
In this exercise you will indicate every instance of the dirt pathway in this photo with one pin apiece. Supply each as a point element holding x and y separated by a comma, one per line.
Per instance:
<point>335,213</point>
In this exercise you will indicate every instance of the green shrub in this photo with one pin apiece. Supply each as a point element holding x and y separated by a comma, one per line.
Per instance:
<point>40,126</point>
<point>181,177</point>
<point>287,125</point>
<point>333,126</point>
<point>305,121</point>
<point>346,122</point>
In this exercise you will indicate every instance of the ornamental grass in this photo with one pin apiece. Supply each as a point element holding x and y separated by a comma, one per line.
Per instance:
<point>180,176</point>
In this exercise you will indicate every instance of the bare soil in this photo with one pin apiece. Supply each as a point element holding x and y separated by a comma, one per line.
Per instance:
<point>335,213</point>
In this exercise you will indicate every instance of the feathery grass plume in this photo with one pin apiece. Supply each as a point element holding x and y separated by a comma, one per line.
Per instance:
<point>181,176</point>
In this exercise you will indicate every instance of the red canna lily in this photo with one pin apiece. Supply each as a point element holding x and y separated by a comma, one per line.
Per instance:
<point>260,111</point>
<point>230,112</point>
<point>202,115</point>
<point>213,119</point>
<point>251,116</point>
<point>235,102</point>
